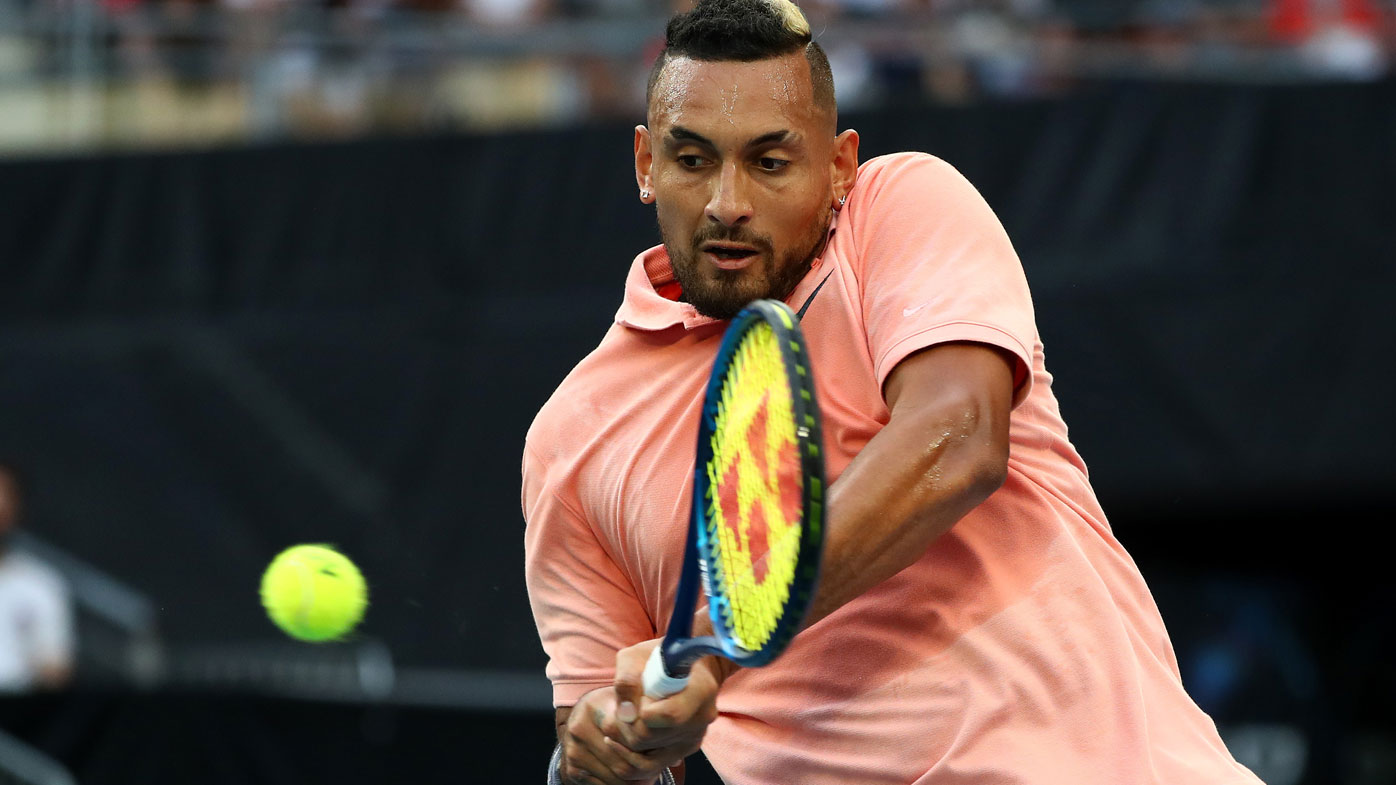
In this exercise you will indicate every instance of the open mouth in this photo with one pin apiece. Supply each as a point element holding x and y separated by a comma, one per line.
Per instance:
<point>729,257</point>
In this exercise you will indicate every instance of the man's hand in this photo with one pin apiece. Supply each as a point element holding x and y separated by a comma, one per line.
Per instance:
<point>590,757</point>
<point>669,729</point>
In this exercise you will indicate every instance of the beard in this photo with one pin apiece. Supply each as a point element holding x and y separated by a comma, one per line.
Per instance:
<point>722,294</point>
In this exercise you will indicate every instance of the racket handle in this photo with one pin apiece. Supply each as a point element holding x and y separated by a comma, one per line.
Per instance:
<point>659,684</point>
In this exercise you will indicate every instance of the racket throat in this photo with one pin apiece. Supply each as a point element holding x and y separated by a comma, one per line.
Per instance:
<point>677,657</point>
<point>667,670</point>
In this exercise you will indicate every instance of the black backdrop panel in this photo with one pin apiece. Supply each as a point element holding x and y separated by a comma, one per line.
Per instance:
<point>229,740</point>
<point>207,356</point>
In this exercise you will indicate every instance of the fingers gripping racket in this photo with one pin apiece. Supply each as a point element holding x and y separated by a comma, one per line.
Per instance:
<point>757,528</point>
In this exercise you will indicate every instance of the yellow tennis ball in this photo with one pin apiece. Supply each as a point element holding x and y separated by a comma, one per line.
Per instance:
<point>314,593</point>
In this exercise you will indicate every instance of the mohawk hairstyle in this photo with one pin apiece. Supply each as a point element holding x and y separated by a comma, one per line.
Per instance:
<point>745,31</point>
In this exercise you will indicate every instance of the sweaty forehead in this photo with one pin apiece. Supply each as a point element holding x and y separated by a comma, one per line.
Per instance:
<point>726,94</point>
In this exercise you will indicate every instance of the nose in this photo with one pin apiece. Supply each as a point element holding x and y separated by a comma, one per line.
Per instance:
<point>730,205</point>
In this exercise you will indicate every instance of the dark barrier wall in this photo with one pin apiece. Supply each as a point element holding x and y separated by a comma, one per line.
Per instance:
<point>207,356</point>
<point>186,739</point>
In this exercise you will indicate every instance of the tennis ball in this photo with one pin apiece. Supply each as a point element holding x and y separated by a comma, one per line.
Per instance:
<point>314,593</point>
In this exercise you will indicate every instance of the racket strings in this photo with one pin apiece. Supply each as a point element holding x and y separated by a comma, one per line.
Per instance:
<point>754,508</point>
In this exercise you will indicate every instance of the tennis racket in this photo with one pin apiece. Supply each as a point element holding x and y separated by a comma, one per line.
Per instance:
<point>757,528</point>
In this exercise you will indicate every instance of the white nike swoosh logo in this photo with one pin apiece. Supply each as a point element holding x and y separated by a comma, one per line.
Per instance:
<point>910,311</point>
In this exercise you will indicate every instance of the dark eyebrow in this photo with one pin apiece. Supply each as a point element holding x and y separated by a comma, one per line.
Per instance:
<point>680,134</point>
<point>774,137</point>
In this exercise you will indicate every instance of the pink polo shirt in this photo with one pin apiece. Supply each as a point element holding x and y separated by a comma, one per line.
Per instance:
<point>1023,647</point>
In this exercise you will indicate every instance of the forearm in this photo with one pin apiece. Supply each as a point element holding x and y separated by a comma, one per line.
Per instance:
<point>943,452</point>
<point>908,486</point>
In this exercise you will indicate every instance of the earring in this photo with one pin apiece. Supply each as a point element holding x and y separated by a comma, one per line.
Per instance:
<point>644,193</point>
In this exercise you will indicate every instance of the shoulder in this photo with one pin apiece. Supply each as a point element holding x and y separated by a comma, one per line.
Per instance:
<point>550,421</point>
<point>914,197</point>
<point>574,411</point>
<point>906,172</point>
<point>895,166</point>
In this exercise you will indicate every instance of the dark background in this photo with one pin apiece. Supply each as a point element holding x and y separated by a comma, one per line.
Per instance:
<point>208,356</point>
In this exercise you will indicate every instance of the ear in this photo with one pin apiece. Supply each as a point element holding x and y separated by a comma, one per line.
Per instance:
<point>644,160</point>
<point>845,164</point>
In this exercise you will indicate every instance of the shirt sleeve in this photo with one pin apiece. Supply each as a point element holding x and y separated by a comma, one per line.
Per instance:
<point>935,265</point>
<point>585,608</point>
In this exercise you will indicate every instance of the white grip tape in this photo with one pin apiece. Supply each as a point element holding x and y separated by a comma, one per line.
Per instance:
<point>659,684</point>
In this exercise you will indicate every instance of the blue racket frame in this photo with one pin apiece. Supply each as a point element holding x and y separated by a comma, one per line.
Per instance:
<point>679,650</point>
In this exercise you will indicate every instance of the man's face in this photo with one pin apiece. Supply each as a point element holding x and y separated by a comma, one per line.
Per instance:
<point>741,166</point>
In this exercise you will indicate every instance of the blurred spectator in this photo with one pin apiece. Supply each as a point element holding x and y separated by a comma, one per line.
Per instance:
<point>151,71</point>
<point>1336,37</point>
<point>507,13</point>
<point>36,616</point>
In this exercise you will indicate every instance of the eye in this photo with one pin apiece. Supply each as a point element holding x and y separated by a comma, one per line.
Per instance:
<point>691,161</point>
<point>768,164</point>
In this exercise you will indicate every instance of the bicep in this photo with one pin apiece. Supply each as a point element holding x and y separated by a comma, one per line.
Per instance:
<point>958,368</point>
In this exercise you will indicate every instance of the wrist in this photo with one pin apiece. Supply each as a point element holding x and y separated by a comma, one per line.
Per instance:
<point>721,668</point>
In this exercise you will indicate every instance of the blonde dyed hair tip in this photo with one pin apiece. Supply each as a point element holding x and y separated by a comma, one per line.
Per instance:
<point>793,17</point>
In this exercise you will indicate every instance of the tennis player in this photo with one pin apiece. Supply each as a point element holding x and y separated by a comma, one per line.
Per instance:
<point>976,620</point>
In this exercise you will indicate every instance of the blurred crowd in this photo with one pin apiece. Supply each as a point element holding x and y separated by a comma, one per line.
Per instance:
<point>205,68</point>
<point>36,615</point>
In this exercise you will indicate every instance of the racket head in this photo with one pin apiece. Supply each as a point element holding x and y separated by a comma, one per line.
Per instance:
<point>759,485</point>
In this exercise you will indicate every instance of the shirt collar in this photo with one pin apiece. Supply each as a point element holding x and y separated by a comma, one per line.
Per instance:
<point>644,308</point>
